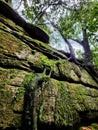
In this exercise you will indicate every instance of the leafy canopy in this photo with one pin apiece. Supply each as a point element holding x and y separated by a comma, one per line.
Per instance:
<point>71,17</point>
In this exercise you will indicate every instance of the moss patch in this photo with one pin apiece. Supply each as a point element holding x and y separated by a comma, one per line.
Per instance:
<point>65,113</point>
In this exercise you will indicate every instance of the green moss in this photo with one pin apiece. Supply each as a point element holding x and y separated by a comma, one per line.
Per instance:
<point>34,77</point>
<point>95,125</point>
<point>8,23</point>
<point>10,44</point>
<point>40,82</point>
<point>5,76</point>
<point>65,113</point>
<point>11,96</point>
<point>42,105</point>
<point>69,70</point>
<point>16,121</point>
<point>19,95</point>
<point>45,61</point>
<point>27,79</point>
<point>83,97</point>
<point>7,115</point>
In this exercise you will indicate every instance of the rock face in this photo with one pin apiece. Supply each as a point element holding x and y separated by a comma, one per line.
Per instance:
<point>38,83</point>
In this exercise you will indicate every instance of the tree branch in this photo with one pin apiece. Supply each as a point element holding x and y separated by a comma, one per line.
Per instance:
<point>78,41</point>
<point>72,54</point>
<point>43,11</point>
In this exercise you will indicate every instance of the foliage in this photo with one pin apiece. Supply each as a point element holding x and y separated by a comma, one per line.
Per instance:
<point>83,17</point>
<point>70,18</point>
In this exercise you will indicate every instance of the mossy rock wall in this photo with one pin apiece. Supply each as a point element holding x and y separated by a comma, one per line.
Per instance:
<point>65,92</point>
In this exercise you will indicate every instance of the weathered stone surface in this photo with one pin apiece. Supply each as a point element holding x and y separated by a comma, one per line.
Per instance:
<point>65,91</point>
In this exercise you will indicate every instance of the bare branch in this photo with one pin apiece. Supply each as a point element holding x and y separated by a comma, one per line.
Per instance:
<point>76,40</point>
<point>43,11</point>
<point>72,54</point>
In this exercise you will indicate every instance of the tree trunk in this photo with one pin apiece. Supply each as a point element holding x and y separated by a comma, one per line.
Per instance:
<point>86,46</point>
<point>72,54</point>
